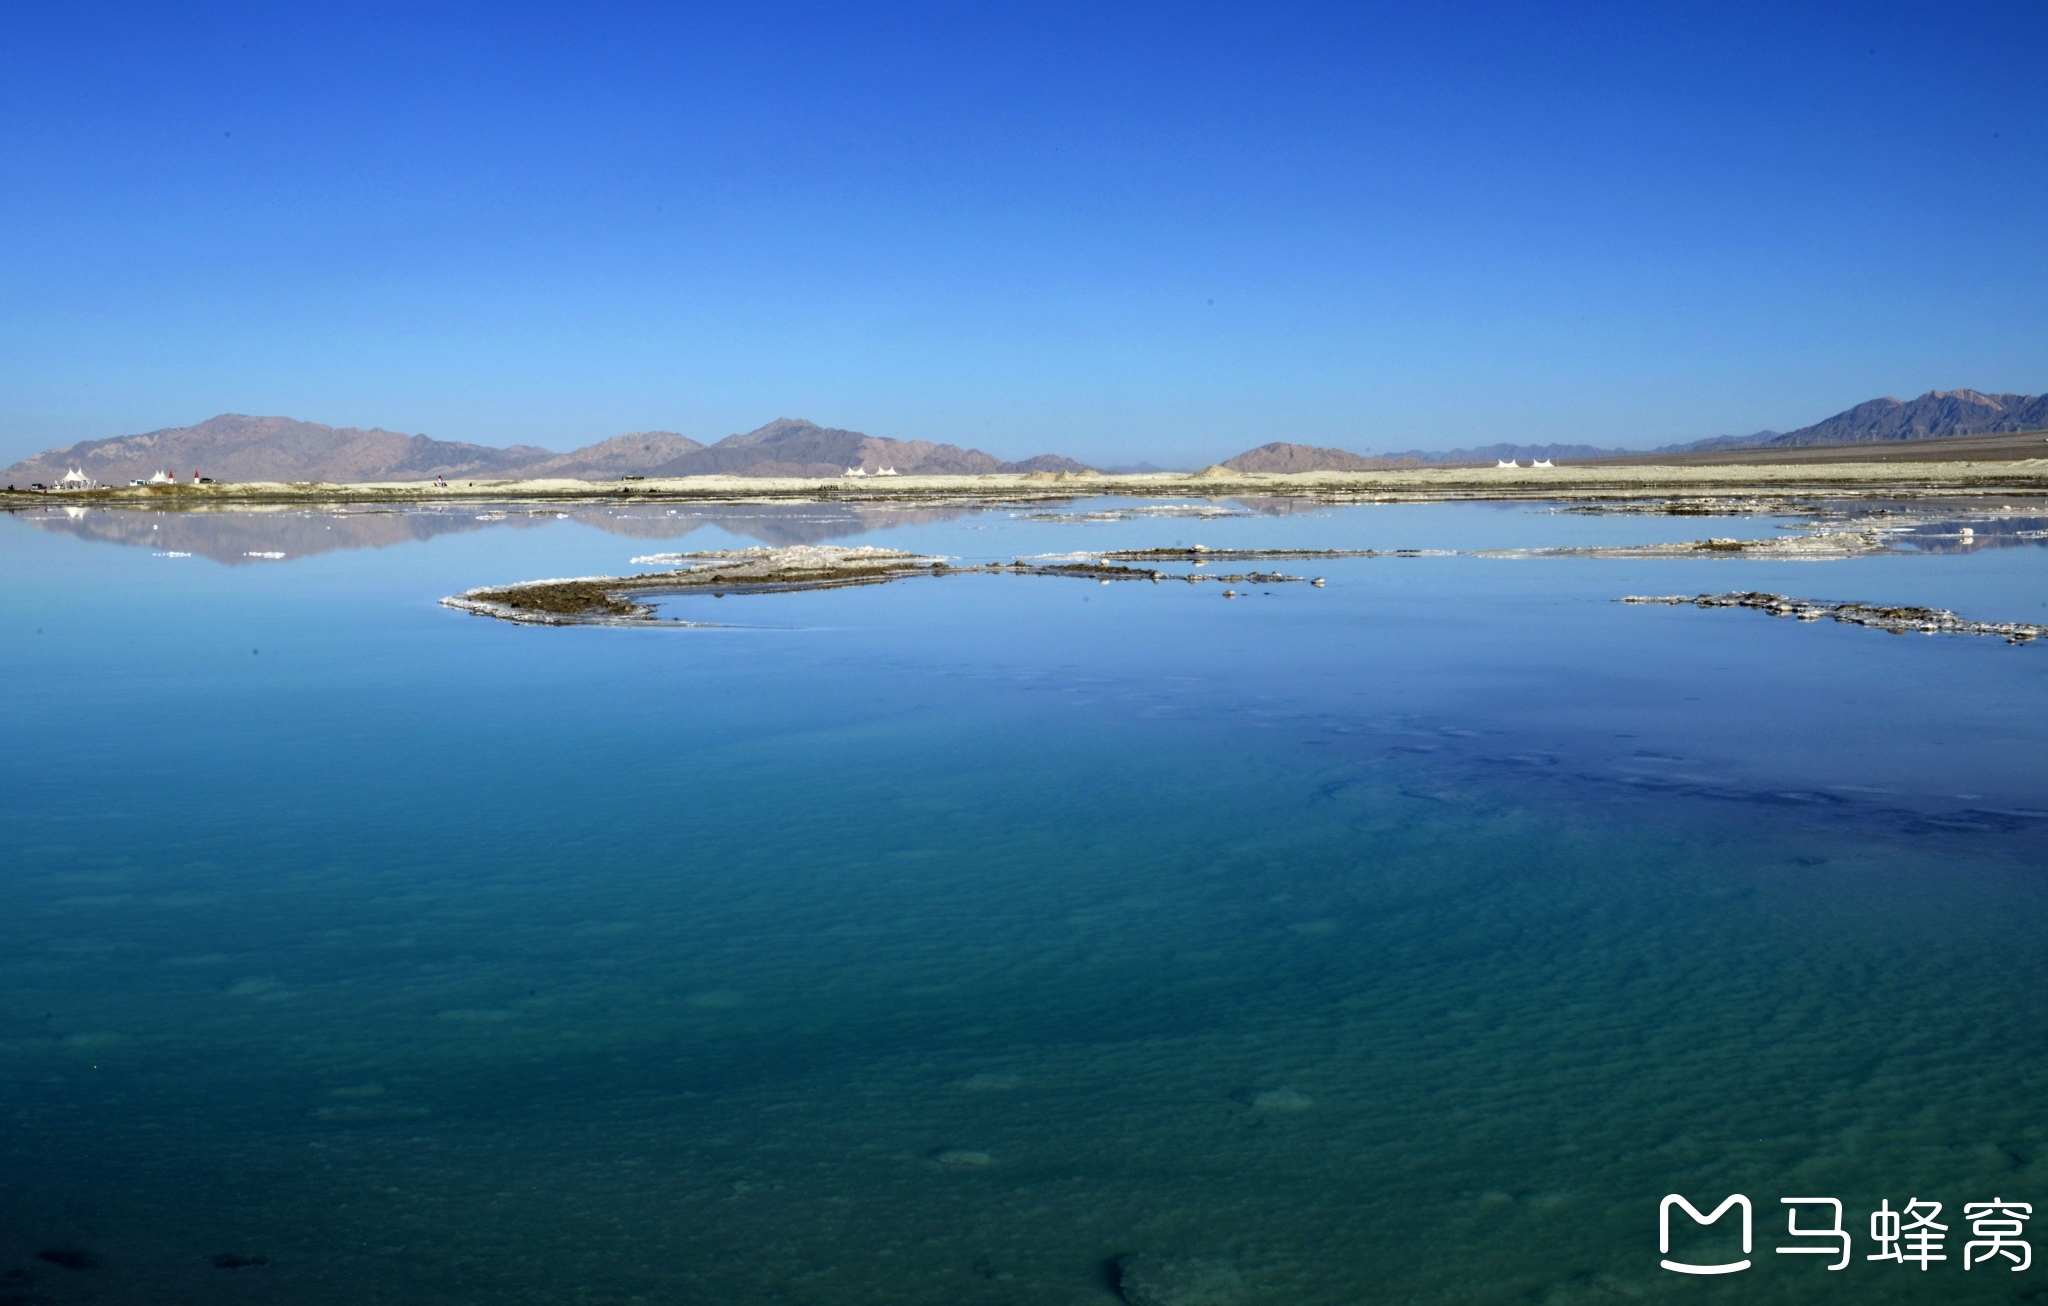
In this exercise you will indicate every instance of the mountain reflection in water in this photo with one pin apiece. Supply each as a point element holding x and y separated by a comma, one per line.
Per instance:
<point>243,537</point>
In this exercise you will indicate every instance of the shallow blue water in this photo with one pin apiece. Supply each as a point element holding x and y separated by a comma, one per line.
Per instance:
<point>1404,939</point>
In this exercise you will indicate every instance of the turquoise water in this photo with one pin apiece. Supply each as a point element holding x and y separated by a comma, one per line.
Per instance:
<point>1402,940</point>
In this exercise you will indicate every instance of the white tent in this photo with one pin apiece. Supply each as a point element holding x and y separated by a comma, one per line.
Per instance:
<point>75,480</point>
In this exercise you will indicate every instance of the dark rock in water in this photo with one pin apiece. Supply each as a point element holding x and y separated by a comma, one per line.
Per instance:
<point>1190,1281</point>
<point>993,1271</point>
<point>70,1260</point>
<point>232,1261</point>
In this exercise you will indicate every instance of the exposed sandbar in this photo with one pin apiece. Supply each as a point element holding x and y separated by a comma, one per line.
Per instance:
<point>1896,620</point>
<point>622,600</point>
<point>1815,546</point>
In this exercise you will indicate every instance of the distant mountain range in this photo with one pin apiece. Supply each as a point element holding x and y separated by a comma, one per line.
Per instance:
<point>1283,457</point>
<point>1936,413</point>
<point>233,447</point>
<point>787,447</point>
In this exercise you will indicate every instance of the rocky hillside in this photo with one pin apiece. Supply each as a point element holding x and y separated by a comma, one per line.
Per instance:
<point>622,455</point>
<point>1938,412</point>
<point>233,447</point>
<point>792,447</point>
<point>1933,415</point>
<point>1282,457</point>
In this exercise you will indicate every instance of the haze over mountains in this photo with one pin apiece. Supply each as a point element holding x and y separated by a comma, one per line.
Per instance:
<point>233,447</point>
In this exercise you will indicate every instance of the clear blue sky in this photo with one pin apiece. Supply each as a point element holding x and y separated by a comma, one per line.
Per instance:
<point>1116,232</point>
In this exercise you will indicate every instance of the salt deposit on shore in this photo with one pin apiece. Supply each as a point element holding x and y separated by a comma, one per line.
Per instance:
<point>619,600</point>
<point>2026,476</point>
<point>623,600</point>
<point>1895,619</point>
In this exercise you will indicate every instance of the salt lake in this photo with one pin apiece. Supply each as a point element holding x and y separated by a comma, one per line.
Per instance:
<point>1007,939</point>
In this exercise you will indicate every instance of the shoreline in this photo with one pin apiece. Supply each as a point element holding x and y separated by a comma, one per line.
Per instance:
<point>621,600</point>
<point>2026,477</point>
<point>625,600</point>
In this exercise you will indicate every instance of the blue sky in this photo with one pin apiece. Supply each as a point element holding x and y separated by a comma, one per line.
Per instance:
<point>1116,232</point>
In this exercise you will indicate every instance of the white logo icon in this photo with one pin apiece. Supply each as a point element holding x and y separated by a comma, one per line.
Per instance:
<point>1664,1233</point>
